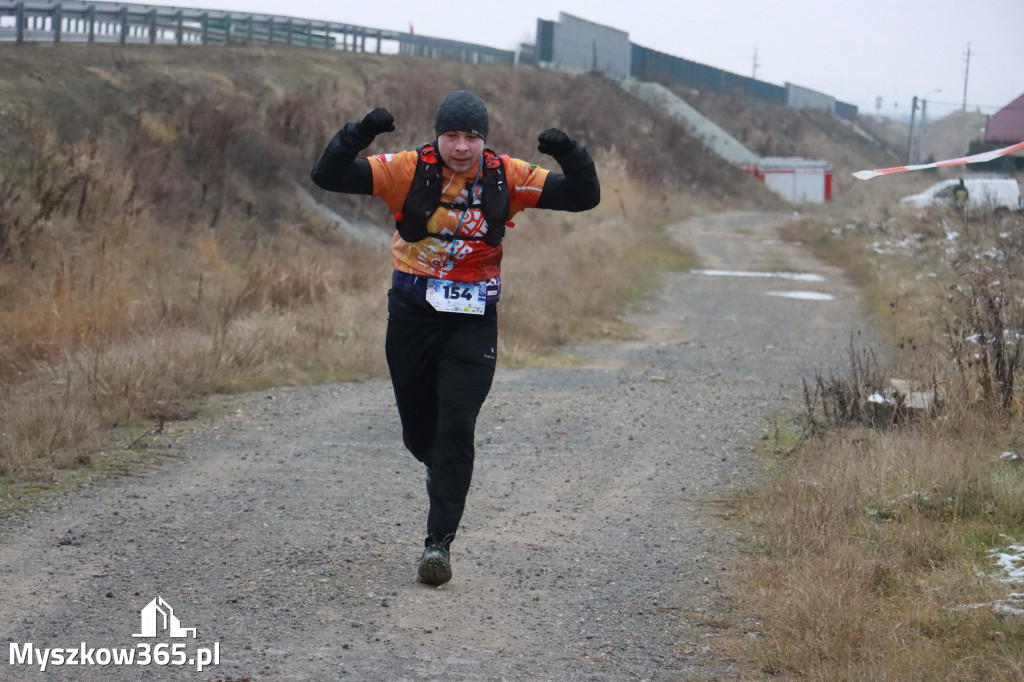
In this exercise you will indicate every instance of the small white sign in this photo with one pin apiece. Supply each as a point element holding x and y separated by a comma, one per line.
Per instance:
<point>457,297</point>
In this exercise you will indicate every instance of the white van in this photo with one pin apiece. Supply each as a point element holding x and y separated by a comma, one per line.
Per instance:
<point>985,194</point>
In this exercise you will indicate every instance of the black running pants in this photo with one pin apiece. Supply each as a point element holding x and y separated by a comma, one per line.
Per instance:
<point>442,366</point>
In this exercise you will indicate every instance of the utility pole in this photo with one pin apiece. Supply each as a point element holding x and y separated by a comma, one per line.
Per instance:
<point>910,139</point>
<point>967,71</point>
<point>756,64</point>
<point>922,126</point>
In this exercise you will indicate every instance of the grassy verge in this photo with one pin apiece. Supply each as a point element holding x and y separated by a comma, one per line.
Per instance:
<point>876,533</point>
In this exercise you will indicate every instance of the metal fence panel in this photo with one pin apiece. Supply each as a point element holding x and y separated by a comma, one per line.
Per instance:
<point>585,46</point>
<point>846,110</point>
<point>798,97</point>
<point>545,40</point>
<point>651,65</point>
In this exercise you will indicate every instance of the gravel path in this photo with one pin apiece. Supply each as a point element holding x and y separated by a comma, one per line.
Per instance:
<point>287,532</point>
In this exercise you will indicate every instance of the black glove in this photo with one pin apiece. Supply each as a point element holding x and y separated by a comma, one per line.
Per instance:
<point>376,122</point>
<point>554,142</point>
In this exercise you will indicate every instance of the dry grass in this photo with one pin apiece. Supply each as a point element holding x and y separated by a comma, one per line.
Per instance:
<point>867,564</point>
<point>871,540</point>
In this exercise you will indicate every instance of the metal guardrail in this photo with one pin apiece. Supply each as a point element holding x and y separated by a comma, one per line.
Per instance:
<point>114,22</point>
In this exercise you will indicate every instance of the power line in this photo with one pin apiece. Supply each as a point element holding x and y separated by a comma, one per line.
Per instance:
<point>964,105</point>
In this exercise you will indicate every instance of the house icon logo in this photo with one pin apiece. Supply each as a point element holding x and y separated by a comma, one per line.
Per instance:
<point>158,617</point>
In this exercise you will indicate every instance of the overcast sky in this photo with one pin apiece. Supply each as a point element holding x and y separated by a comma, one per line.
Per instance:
<point>855,51</point>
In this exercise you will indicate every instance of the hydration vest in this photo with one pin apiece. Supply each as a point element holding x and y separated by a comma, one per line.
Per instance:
<point>424,197</point>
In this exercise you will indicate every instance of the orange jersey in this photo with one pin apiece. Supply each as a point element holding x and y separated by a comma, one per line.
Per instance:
<point>459,261</point>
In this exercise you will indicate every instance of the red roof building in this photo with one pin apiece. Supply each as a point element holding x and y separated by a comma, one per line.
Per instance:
<point>1007,125</point>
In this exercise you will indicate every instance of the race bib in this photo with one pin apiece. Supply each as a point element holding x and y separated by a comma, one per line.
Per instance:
<point>457,297</point>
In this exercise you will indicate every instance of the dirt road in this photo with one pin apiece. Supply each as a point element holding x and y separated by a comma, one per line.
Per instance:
<point>287,532</point>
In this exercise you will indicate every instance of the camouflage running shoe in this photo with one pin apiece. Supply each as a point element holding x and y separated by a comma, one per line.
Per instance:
<point>435,565</point>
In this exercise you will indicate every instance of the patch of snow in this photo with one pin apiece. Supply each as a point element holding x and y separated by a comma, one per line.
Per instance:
<point>806,295</point>
<point>798,276</point>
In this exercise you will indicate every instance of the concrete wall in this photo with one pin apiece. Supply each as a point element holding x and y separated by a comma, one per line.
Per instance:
<point>707,131</point>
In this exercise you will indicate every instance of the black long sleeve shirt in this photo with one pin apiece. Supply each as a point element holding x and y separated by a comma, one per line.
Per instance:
<point>575,189</point>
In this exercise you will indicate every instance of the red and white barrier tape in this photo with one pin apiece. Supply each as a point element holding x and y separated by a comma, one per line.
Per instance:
<point>976,158</point>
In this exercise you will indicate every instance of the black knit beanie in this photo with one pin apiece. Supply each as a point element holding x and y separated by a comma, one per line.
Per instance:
<point>462,110</point>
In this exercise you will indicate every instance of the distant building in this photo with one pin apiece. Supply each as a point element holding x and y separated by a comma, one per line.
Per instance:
<point>1007,125</point>
<point>575,44</point>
